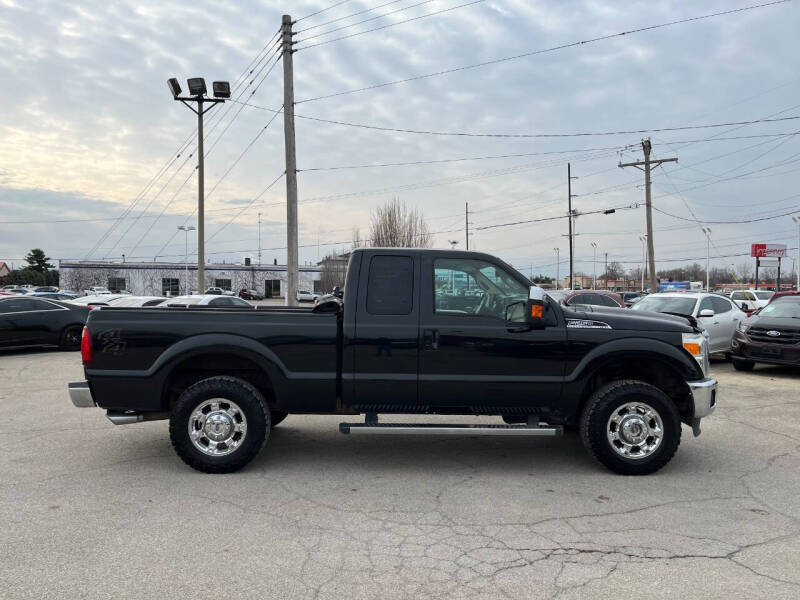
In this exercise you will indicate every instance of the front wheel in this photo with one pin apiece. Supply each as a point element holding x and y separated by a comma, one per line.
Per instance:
<point>631,427</point>
<point>219,424</point>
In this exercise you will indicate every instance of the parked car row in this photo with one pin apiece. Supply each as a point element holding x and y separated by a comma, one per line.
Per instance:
<point>34,320</point>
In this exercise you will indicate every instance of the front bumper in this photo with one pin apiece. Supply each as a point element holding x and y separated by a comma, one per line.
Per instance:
<point>704,397</point>
<point>81,394</point>
<point>765,352</point>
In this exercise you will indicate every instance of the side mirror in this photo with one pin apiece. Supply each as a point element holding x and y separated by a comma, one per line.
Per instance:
<point>706,312</point>
<point>744,306</point>
<point>527,314</point>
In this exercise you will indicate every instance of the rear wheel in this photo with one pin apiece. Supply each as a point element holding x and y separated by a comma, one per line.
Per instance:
<point>219,424</point>
<point>631,427</point>
<point>71,337</point>
<point>743,365</point>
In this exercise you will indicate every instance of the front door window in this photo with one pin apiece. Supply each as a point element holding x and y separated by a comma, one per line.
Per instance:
<point>472,287</point>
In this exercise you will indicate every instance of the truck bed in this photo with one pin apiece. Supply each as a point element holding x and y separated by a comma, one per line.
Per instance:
<point>132,346</point>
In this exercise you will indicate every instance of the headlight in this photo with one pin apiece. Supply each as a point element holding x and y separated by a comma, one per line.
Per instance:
<point>696,344</point>
<point>742,327</point>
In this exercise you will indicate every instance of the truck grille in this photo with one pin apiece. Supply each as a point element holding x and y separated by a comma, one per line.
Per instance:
<point>787,336</point>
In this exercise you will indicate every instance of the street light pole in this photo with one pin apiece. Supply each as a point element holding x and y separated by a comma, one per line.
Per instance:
<point>558,264</point>
<point>186,231</point>
<point>707,231</point>
<point>594,266</point>
<point>197,94</point>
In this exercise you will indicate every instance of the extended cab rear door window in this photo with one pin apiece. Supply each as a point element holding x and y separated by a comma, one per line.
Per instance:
<point>390,285</point>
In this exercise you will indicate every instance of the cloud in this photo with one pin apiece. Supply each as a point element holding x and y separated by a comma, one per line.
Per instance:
<point>88,123</point>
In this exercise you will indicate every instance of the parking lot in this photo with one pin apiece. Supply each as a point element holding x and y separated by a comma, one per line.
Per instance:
<point>91,510</point>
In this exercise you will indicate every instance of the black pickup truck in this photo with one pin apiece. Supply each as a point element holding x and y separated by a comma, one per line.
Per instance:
<point>417,331</point>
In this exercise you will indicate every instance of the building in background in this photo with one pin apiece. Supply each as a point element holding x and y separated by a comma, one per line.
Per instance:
<point>169,279</point>
<point>5,270</point>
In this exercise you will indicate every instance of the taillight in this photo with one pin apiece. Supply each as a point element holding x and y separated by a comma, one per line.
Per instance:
<point>86,346</point>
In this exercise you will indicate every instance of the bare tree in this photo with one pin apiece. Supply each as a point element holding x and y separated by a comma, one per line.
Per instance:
<point>334,268</point>
<point>394,225</point>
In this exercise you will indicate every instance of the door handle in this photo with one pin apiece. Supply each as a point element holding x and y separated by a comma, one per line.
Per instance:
<point>430,339</point>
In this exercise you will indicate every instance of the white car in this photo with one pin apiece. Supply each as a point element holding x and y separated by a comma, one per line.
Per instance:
<point>214,300</point>
<point>306,296</point>
<point>97,299</point>
<point>718,314</point>
<point>96,290</point>
<point>137,301</point>
<point>751,299</point>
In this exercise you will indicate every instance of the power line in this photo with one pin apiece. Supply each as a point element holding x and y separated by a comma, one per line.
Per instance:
<point>580,214</point>
<point>319,12</point>
<point>527,135</point>
<point>737,221</point>
<point>391,12</point>
<point>355,14</point>
<point>543,51</point>
<point>431,14</point>
<point>181,149</point>
<point>264,191</point>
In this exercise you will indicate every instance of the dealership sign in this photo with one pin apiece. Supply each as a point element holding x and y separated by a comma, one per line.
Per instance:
<point>768,250</point>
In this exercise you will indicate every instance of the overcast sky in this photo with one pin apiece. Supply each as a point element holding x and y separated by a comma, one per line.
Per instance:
<point>87,123</point>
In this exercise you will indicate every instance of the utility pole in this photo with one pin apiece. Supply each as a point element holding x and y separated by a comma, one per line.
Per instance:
<point>558,264</point>
<point>259,239</point>
<point>466,222</point>
<point>605,273</point>
<point>648,164</point>
<point>569,218</point>
<point>796,219</point>
<point>292,275</point>
<point>594,266</point>
<point>707,231</point>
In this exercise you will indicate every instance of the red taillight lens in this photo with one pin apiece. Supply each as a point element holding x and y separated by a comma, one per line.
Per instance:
<point>86,346</point>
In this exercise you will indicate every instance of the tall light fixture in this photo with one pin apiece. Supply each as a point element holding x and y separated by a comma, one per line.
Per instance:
<point>643,239</point>
<point>197,95</point>
<point>707,231</point>
<point>558,263</point>
<point>186,231</point>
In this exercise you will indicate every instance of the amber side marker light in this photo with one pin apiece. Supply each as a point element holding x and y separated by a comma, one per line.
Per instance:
<point>536,311</point>
<point>693,348</point>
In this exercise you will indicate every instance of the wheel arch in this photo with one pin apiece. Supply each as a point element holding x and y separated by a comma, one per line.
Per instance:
<point>178,368</point>
<point>668,371</point>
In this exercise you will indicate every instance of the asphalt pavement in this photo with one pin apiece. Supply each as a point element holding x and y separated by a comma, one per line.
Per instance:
<point>93,510</point>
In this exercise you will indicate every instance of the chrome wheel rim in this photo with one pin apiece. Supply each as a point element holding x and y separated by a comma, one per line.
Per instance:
<point>72,336</point>
<point>635,430</point>
<point>217,427</point>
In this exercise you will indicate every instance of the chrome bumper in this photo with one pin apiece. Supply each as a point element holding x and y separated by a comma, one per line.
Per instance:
<point>704,396</point>
<point>80,394</point>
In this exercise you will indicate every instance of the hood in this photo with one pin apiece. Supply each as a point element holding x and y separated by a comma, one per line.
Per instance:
<point>635,320</point>
<point>767,322</point>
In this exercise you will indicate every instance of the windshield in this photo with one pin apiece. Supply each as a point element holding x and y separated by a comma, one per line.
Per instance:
<point>781,310</point>
<point>763,295</point>
<point>671,304</point>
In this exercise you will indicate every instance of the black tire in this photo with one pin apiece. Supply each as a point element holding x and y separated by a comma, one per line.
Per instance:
<point>610,398</point>
<point>743,365</point>
<point>70,338</point>
<point>253,407</point>
<point>276,416</point>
